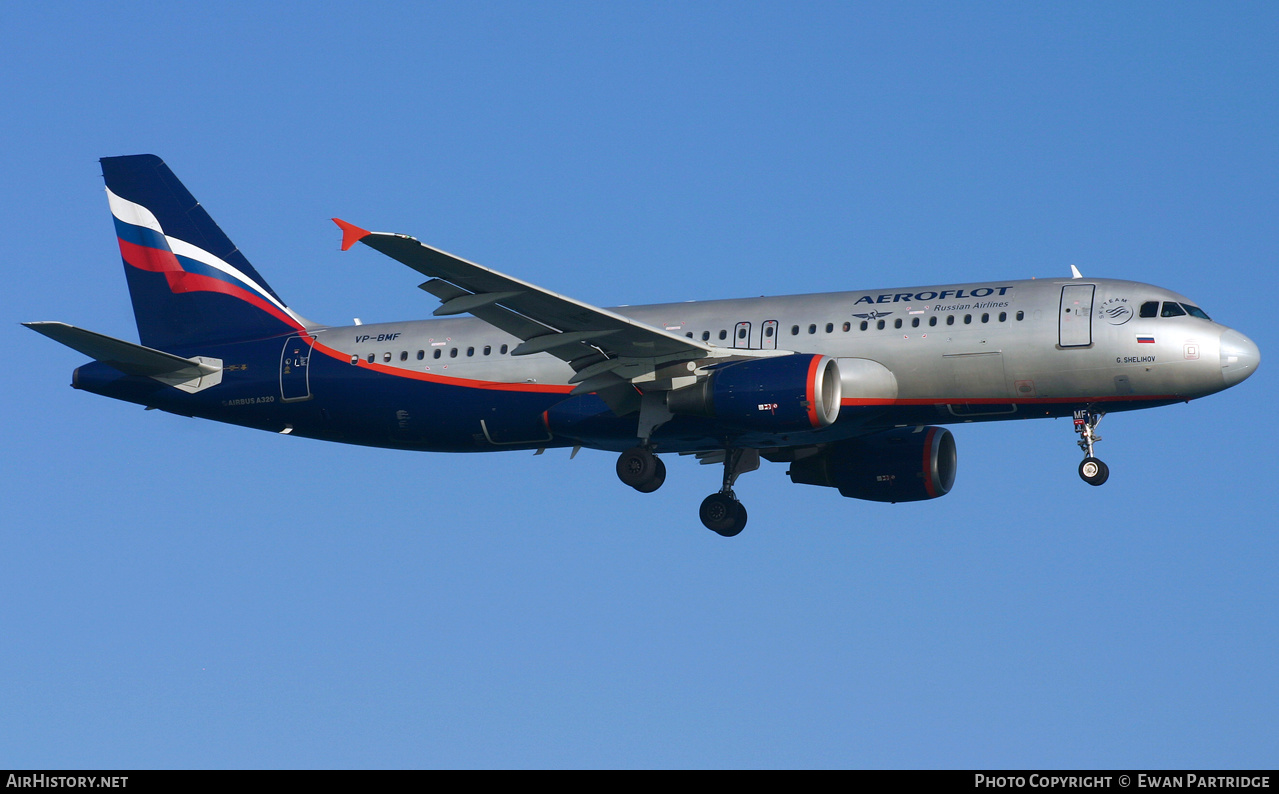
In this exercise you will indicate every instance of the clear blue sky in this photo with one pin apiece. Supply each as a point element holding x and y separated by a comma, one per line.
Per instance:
<point>177,593</point>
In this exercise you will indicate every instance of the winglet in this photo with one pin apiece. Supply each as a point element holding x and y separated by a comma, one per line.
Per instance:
<point>351,234</point>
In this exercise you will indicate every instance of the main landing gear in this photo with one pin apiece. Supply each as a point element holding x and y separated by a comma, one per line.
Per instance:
<point>641,469</point>
<point>1091,470</point>
<point>721,513</point>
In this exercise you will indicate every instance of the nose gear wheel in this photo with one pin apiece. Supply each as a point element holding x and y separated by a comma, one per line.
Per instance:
<point>1091,470</point>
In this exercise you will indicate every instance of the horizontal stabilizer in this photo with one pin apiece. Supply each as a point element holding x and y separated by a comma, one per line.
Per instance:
<point>184,373</point>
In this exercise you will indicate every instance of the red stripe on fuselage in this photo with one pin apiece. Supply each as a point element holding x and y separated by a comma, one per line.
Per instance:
<point>856,401</point>
<point>401,372</point>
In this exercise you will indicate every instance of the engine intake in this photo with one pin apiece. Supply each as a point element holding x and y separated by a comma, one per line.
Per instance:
<point>907,464</point>
<point>797,392</point>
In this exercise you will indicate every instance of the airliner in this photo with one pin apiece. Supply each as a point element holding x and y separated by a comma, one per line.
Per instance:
<point>850,389</point>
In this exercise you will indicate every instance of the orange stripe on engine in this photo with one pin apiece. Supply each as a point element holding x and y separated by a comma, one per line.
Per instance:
<point>929,487</point>
<point>811,392</point>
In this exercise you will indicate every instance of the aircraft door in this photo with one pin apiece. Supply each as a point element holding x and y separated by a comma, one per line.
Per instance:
<point>768,335</point>
<point>742,335</point>
<point>295,369</point>
<point>1074,321</point>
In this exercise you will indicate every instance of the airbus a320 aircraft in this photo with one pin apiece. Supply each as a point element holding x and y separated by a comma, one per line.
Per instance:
<point>847,388</point>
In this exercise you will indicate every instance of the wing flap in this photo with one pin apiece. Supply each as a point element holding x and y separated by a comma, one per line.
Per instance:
<point>527,311</point>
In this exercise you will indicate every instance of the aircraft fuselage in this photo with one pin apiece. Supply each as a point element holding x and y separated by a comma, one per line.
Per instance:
<point>956,353</point>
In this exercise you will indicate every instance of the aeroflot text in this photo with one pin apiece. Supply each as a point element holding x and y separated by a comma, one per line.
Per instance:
<point>1188,780</point>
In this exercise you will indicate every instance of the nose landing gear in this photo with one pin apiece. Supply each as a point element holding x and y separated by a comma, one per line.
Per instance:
<point>1091,470</point>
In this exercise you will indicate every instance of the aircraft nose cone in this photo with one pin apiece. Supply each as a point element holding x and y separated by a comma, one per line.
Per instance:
<point>1239,357</point>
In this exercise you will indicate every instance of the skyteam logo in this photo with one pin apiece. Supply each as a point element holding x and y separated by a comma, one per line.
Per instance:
<point>1116,311</point>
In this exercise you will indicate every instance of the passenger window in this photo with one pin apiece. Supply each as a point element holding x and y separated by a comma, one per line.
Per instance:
<point>848,327</point>
<point>1003,317</point>
<point>706,336</point>
<point>880,325</point>
<point>985,318</point>
<point>437,352</point>
<point>404,355</point>
<point>968,319</point>
<point>865,325</point>
<point>812,329</point>
<point>386,358</point>
<point>488,349</point>
<point>768,331</point>
<point>741,332</point>
<point>421,354</point>
<point>453,352</point>
<point>830,327</point>
<point>723,334</point>
<point>897,323</point>
<point>794,330</point>
<point>1149,309</point>
<point>1020,316</point>
<point>932,321</point>
<point>470,351</point>
<point>502,350</point>
<point>372,357</point>
<point>950,319</point>
<point>1172,310</point>
<point>914,323</point>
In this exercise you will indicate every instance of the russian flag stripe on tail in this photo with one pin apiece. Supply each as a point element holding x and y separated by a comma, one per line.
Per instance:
<point>189,283</point>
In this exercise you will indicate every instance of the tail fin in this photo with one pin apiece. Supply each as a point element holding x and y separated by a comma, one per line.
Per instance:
<point>189,283</point>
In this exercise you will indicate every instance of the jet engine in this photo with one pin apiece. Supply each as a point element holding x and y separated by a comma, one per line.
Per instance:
<point>784,393</point>
<point>906,464</point>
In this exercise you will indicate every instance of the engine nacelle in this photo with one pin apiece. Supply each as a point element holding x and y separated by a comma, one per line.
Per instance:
<point>905,464</point>
<point>784,393</point>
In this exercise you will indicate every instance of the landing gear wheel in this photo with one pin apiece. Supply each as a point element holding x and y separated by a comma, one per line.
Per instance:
<point>659,477</point>
<point>640,469</point>
<point>1093,471</point>
<point>723,514</point>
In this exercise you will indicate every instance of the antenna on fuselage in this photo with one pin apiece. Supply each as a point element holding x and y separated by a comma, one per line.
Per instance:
<point>1074,272</point>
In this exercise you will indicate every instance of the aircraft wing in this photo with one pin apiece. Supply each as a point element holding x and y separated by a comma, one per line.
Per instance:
<point>579,333</point>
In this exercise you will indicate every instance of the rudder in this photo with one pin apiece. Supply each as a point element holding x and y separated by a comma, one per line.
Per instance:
<point>188,282</point>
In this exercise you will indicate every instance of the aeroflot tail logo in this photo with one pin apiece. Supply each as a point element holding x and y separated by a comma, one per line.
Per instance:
<point>186,267</point>
<point>933,295</point>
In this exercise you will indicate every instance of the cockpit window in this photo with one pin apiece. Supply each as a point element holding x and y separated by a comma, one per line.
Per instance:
<point>1149,309</point>
<point>1195,311</point>
<point>1172,310</point>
